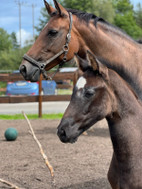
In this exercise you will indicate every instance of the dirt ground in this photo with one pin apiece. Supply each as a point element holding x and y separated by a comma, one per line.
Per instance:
<point>82,165</point>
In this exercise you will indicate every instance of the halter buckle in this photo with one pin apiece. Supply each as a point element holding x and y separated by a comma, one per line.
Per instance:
<point>65,48</point>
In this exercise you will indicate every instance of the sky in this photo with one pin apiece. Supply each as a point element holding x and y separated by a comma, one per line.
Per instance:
<point>9,16</point>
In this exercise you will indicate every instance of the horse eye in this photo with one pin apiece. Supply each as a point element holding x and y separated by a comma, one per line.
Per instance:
<point>89,93</point>
<point>52,32</point>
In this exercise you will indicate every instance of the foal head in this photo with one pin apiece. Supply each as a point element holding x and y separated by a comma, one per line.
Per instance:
<point>50,42</point>
<point>91,100</point>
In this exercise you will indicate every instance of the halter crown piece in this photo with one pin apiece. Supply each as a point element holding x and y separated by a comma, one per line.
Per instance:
<point>64,51</point>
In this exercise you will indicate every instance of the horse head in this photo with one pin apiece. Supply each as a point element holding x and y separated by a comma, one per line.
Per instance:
<point>90,101</point>
<point>54,44</point>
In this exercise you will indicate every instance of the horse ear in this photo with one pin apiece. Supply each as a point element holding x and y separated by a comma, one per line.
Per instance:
<point>49,8</point>
<point>97,65</point>
<point>82,63</point>
<point>61,10</point>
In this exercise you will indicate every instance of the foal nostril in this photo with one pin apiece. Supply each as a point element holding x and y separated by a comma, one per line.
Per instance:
<point>61,132</point>
<point>23,70</point>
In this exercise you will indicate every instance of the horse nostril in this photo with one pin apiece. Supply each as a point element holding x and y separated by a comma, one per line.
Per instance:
<point>23,70</point>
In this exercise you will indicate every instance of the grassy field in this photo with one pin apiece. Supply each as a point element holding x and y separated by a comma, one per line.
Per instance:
<point>31,116</point>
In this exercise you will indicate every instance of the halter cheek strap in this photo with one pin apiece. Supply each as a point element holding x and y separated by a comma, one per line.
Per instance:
<point>64,51</point>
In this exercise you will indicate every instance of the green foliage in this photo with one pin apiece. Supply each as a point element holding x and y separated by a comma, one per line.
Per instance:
<point>128,24</point>
<point>123,6</point>
<point>31,116</point>
<point>10,54</point>
<point>5,40</point>
<point>125,18</point>
<point>138,15</point>
<point>42,20</point>
<point>10,60</point>
<point>14,40</point>
<point>83,5</point>
<point>104,9</point>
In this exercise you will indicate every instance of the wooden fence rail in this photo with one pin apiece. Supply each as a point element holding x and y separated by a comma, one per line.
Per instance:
<point>73,76</point>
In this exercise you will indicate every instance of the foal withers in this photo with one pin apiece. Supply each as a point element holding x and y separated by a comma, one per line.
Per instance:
<point>102,93</point>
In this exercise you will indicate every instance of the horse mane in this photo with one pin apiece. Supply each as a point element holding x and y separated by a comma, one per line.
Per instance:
<point>140,41</point>
<point>84,16</point>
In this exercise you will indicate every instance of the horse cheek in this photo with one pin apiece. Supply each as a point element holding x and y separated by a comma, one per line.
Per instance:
<point>73,48</point>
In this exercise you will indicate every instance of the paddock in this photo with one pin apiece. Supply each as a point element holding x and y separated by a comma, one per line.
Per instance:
<point>82,165</point>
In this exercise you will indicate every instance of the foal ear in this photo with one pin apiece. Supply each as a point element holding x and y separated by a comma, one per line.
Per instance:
<point>97,65</point>
<point>49,8</point>
<point>61,10</point>
<point>93,62</point>
<point>82,63</point>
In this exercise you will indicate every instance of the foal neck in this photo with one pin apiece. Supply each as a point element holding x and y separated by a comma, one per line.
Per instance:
<point>125,97</point>
<point>125,121</point>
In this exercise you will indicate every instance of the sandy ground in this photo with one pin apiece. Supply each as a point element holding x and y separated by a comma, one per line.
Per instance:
<point>82,165</point>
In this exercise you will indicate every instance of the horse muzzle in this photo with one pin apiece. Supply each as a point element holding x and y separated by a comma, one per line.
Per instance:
<point>29,71</point>
<point>68,132</point>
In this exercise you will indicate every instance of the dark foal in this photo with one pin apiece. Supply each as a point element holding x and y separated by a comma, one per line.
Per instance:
<point>102,93</point>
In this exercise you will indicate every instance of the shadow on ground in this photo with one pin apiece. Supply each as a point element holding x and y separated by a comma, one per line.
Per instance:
<point>93,184</point>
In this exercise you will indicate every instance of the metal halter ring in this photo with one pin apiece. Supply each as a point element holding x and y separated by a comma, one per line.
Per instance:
<point>65,48</point>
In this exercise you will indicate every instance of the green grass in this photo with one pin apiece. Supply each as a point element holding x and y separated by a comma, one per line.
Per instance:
<point>64,91</point>
<point>31,116</point>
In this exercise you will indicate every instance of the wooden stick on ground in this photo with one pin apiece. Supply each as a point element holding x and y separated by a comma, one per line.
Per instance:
<point>9,184</point>
<point>40,147</point>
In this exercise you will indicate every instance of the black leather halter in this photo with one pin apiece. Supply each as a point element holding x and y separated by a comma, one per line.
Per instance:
<point>64,51</point>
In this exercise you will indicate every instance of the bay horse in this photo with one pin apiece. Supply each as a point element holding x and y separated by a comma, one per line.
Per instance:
<point>71,31</point>
<point>101,93</point>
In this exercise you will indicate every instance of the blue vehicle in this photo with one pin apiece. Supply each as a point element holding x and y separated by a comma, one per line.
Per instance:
<point>22,88</point>
<point>29,88</point>
<point>49,87</point>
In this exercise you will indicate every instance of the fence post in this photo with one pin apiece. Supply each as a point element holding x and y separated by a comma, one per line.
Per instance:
<point>75,78</point>
<point>40,98</point>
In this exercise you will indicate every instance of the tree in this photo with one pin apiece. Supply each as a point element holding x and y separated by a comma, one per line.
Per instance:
<point>83,5</point>
<point>125,19</point>
<point>128,24</point>
<point>42,20</point>
<point>138,15</point>
<point>104,9</point>
<point>14,40</point>
<point>5,40</point>
<point>123,6</point>
<point>10,60</point>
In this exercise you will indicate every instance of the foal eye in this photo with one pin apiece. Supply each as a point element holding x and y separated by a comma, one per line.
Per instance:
<point>52,33</point>
<point>89,93</point>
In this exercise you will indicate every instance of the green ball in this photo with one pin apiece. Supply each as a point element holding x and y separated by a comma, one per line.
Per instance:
<point>11,134</point>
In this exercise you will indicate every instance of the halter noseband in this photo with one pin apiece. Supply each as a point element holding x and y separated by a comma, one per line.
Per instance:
<point>64,51</point>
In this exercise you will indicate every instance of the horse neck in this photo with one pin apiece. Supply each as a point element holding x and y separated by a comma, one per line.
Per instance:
<point>125,122</point>
<point>116,50</point>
